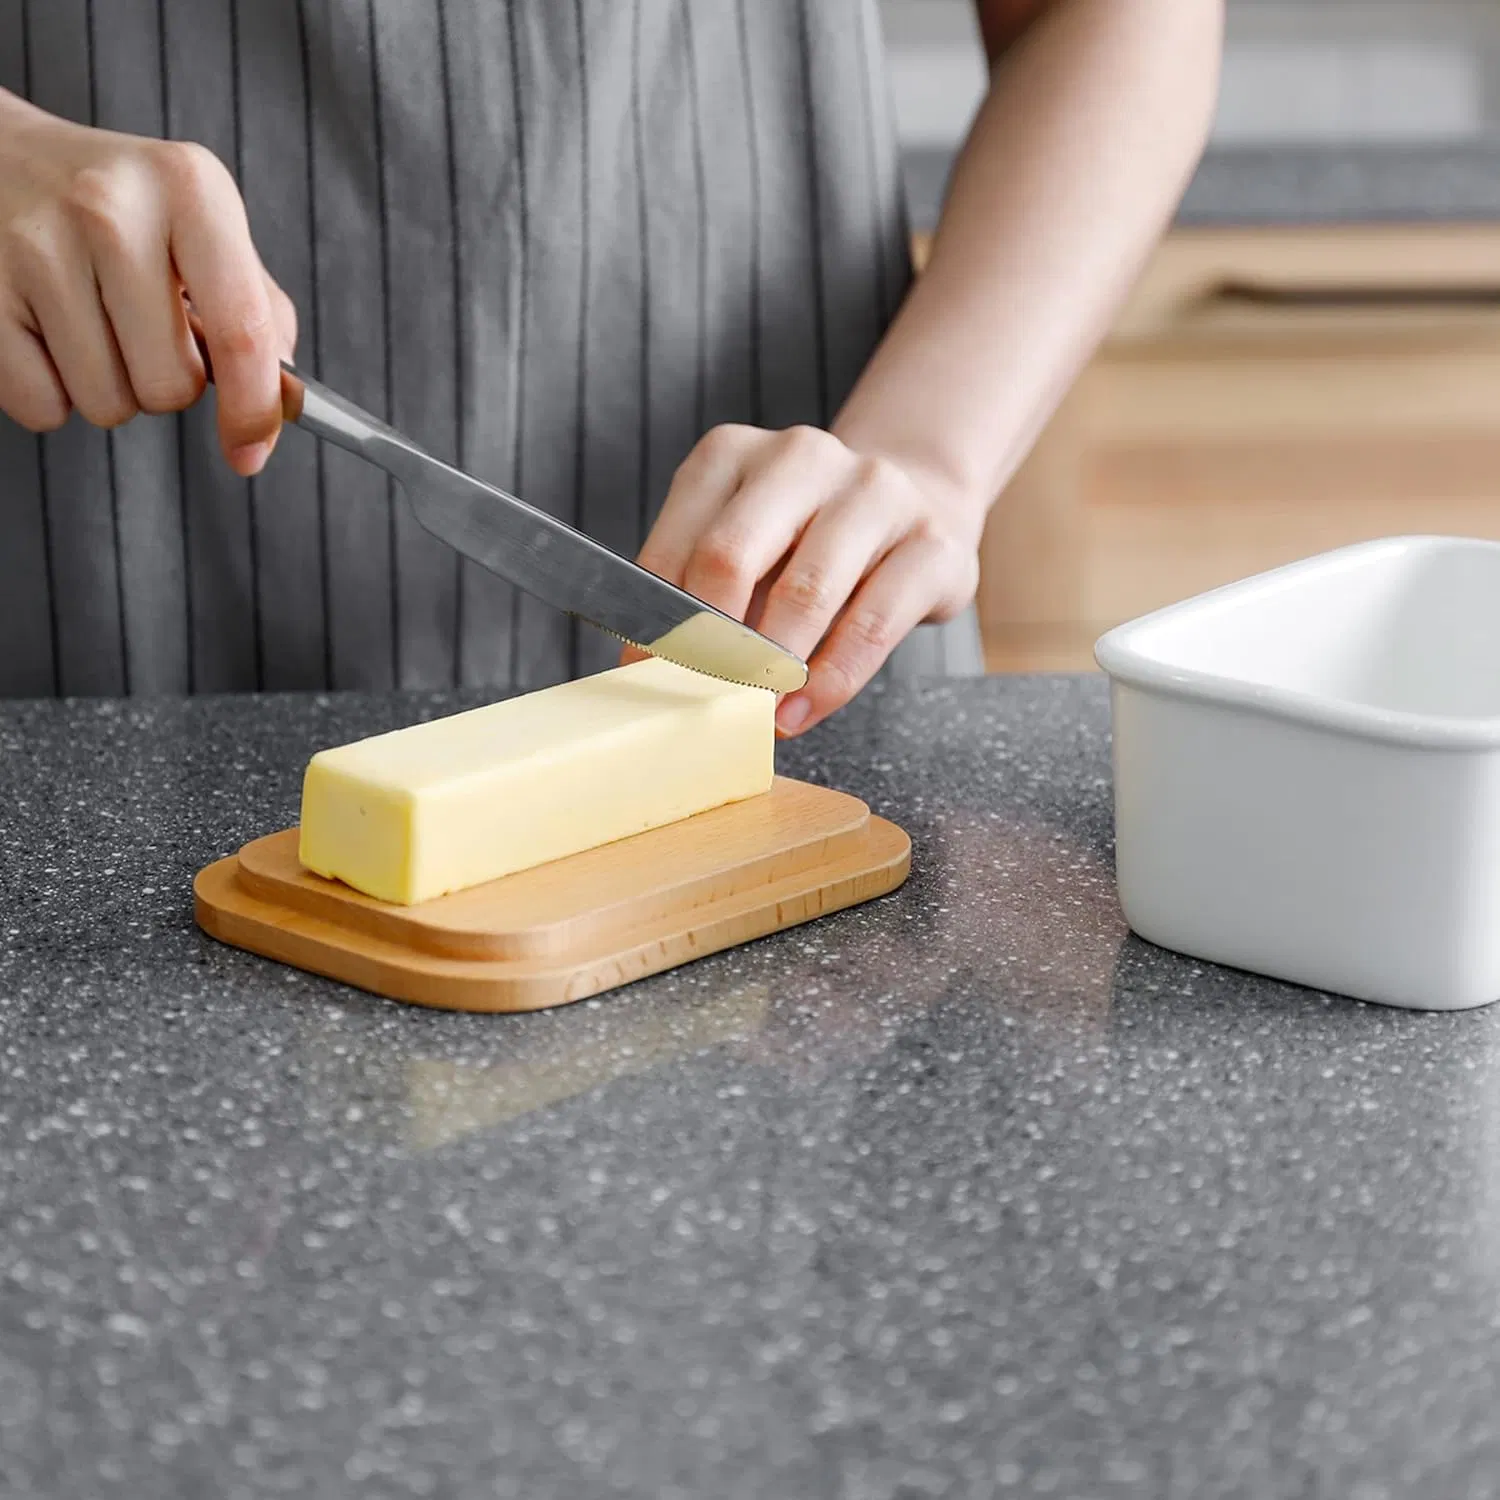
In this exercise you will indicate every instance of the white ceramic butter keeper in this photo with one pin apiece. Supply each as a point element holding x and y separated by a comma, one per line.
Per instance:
<point>1307,772</point>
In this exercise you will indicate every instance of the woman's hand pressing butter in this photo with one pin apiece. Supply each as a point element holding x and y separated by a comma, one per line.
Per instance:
<point>834,554</point>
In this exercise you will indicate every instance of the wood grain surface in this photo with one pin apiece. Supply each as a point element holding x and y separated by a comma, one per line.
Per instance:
<point>575,927</point>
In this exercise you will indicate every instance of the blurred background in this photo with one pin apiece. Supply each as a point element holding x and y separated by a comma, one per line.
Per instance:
<point>1312,356</point>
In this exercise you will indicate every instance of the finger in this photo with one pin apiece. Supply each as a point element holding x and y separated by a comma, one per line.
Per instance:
<point>126,234</point>
<point>31,390</point>
<point>761,593</point>
<point>704,481</point>
<point>845,542</point>
<point>764,517</point>
<point>222,274</point>
<point>902,592</point>
<point>67,313</point>
<point>284,313</point>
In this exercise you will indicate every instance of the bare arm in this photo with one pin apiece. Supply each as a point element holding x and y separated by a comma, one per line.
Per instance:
<point>1098,112</point>
<point>839,544</point>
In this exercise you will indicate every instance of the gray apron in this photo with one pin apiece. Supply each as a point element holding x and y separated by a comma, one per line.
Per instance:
<point>553,240</point>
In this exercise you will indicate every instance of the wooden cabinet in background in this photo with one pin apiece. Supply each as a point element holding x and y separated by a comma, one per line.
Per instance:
<point>1267,393</point>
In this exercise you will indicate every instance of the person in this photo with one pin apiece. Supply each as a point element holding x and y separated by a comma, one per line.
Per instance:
<point>643,262</point>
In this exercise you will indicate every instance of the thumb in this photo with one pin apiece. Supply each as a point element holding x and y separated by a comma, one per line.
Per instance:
<point>283,317</point>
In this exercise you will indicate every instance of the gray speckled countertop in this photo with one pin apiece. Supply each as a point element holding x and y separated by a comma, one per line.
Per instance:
<point>959,1194</point>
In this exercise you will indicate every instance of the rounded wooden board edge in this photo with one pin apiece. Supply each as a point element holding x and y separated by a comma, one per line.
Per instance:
<point>550,910</point>
<point>228,913</point>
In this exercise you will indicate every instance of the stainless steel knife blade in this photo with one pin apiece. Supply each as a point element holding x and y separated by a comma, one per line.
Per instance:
<point>546,557</point>
<point>538,553</point>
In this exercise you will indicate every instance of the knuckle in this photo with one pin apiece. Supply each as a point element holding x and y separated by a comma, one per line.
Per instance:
<point>838,679</point>
<point>101,200</point>
<point>721,444</point>
<point>246,333</point>
<point>808,443</point>
<point>40,414</point>
<point>160,394</point>
<point>692,466</point>
<point>113,410</point>
<point>870,632</point>
<point>806,590</point>
<point>875,472</point>
<point>720,555</point>
<point>966,585</point>
<point>956,565</point>
<point>190,170</point>
<point>952,603</point>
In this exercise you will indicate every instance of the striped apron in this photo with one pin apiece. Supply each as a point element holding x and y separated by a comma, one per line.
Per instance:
<point>553,240</point>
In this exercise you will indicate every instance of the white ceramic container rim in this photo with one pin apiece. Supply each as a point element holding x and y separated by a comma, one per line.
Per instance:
<point>1119,653</point>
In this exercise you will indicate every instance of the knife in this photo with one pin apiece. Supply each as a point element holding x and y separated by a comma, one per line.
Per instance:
<point>539,554</point>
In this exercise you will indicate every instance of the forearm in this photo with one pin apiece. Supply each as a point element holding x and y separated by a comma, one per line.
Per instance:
<point>1093,125</point>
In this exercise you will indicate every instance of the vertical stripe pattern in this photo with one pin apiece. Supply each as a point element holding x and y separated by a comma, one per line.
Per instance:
<point>552,240</point>
<point>350,351</point>
<point>109,442</point>
<point>422,383</point>
<point>29,666</point>
<point>674,251</point>
<point>488,73</point>
<point>275,176</point>
<point>215,503</point>
<point>550,452</point>
<point>75,462</point>
<point>127,41</point>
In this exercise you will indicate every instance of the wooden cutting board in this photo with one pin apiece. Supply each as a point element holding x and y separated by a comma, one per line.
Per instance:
<point>573,928</point>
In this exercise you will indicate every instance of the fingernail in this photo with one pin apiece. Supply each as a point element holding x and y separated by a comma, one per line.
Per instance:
<point>250,459</point>
<point>793,715</point>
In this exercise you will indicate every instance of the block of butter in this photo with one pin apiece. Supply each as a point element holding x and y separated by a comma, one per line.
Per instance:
<point>441,806</point>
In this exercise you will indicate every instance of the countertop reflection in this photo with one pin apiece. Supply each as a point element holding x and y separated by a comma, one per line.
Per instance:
<point>963,1191</point>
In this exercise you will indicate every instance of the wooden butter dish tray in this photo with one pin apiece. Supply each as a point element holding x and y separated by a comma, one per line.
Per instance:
<point>575,927</point>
